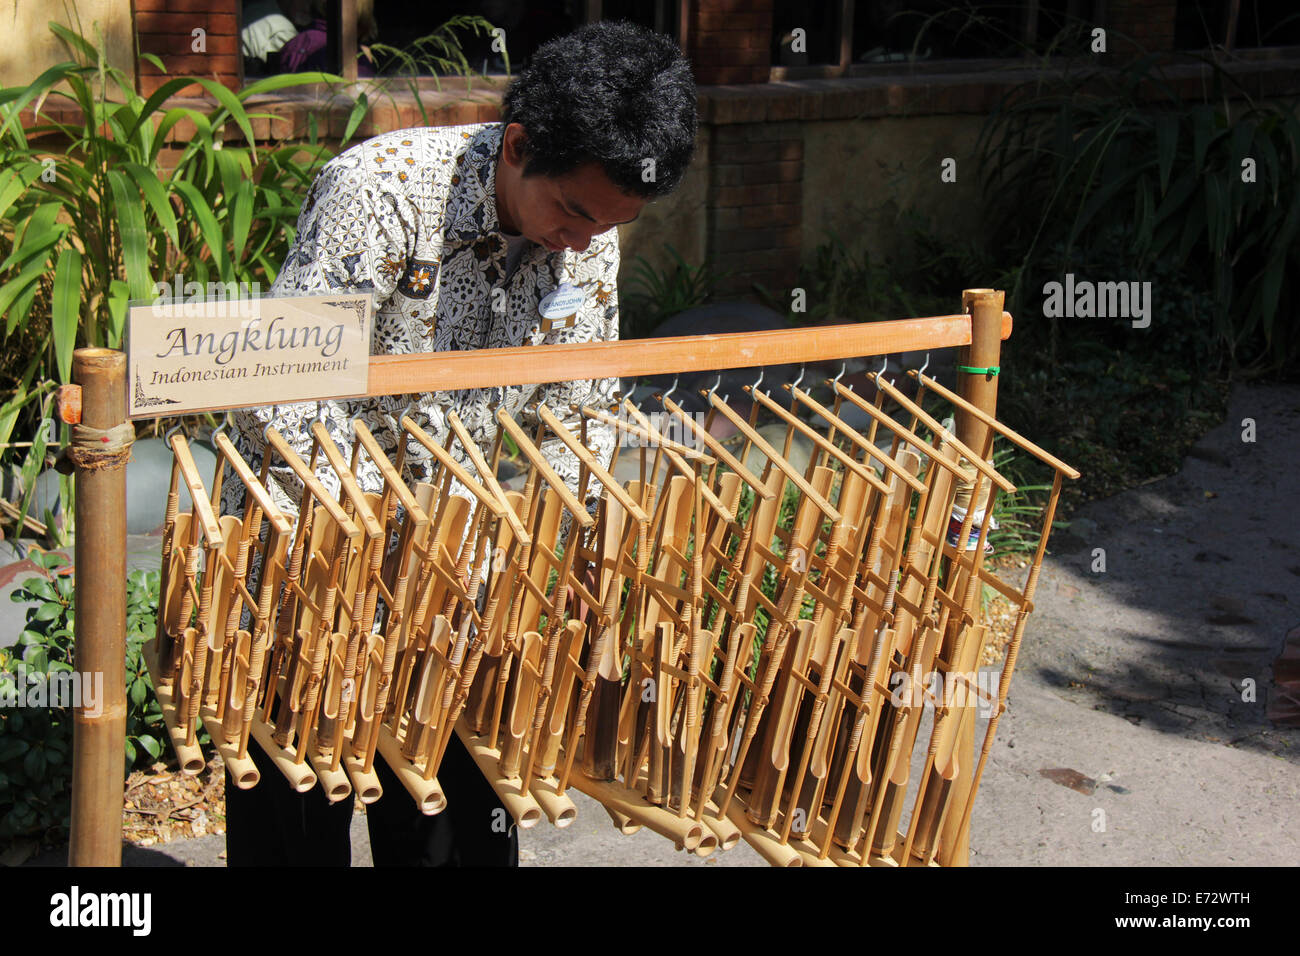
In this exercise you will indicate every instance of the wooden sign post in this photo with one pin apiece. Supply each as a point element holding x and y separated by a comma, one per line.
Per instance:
<point>101,448</point>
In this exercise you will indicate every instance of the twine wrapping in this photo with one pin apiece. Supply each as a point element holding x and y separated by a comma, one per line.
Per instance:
<point>95,449</point>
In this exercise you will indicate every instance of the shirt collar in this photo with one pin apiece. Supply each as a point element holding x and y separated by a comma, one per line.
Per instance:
<point>476,168</point>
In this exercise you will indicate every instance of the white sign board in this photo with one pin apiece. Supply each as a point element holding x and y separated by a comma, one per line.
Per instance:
<point>195,356</point>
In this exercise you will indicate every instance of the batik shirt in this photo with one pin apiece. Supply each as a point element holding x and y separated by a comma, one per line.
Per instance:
<point>411,216</point>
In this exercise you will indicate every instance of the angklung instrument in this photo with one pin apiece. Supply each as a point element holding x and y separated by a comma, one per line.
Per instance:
<point>726,647</point>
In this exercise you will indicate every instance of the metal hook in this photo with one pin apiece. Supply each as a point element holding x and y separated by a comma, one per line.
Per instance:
<point>761,373</point>
<point>795,383</point>
<point>884,364</point>
<point>226,419</point>
<point>267,427</point>
<point>836,380</point>
<point>714,389</point>
<point>167,436</point>
<point>320,413</point>
<point>926,365</point>
<point>670,391</point>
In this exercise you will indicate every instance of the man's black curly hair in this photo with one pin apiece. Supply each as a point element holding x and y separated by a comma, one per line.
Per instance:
<point>612,93</point>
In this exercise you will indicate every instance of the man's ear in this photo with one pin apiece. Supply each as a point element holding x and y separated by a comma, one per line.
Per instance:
<point>513,143</point>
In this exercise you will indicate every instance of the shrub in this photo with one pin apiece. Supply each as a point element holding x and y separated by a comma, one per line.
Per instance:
<point>36,741</point>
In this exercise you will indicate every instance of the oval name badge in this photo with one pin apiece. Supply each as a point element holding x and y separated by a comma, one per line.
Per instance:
<point>561,304</point>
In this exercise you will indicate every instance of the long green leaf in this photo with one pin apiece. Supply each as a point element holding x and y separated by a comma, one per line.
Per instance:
<point>241,218</point>
<point>65,310</point>
<point>129,214</point>
<point>14,183</point>
<point>359,110</point>
<point>156,196</point>
<point>22,306</point>
<point>118,297</point>
<point>38,222</point>
<point>30,246</point>
<point>207,222</point>
<point>231,175</point>
<point>11,290</point>
<point>273,83</point>
<point>19,400</point>
<point>46,81</point>
<point>231,104</point>
<point>74,40</point>
<point>156,100</point>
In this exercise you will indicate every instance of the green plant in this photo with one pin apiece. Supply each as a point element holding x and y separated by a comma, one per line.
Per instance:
<point>843,282</point>
<point>1018,515</point>
<point>440,52</point>
<point>36,733</point>
<point>650,296</point>
<point>1212,184</point>
<point>89,220</point>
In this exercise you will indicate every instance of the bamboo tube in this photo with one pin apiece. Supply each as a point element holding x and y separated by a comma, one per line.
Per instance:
<point>168,581</point>
<point>953,837</point>
<point>622,822</point>
<point>365,781</point>
<point>188,755</point>
<point>681,830</point>
<point>333,781</point>
<point>707,846</point>
<point>559,809</point>
<point>727,833</point>
<point>427,794</point>
<point>519,803</point>
<point>763,800</point>
<point>300,776</point>
<point>768,845</point>
<point>242,769</point>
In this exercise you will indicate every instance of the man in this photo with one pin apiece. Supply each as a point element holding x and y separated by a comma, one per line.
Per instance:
<point>462,233</point>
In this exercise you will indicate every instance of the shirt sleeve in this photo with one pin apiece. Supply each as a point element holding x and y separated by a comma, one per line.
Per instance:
<point>353,235</point>
<point>597,321</point>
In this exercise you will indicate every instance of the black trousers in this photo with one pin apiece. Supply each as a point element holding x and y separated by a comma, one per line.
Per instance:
<point>272,825</point>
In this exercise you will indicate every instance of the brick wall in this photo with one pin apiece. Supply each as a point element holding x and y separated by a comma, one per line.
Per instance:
<point>1148,23</point>
<point>729,41</point>
<point>166,29</point>
<point>755,204</point>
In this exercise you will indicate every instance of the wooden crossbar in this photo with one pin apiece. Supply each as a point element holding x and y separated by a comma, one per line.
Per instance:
<point>441,371</point>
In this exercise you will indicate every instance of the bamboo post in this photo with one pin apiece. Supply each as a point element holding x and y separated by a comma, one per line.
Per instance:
<point>984,351</point>
<point>981,390</point>
<point>99,740</point>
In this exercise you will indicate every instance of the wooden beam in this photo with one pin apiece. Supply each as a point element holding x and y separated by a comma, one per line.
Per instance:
<point>531,364</point>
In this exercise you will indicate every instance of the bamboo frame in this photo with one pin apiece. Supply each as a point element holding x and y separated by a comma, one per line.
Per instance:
<point>687,647</point>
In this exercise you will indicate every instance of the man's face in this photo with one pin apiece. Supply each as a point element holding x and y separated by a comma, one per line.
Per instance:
<point>558,212</point>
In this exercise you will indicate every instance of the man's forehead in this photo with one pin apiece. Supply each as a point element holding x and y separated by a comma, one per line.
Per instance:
<point>588,191</point>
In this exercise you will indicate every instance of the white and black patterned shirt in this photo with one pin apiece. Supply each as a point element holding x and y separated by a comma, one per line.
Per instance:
<point>411,215</point>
